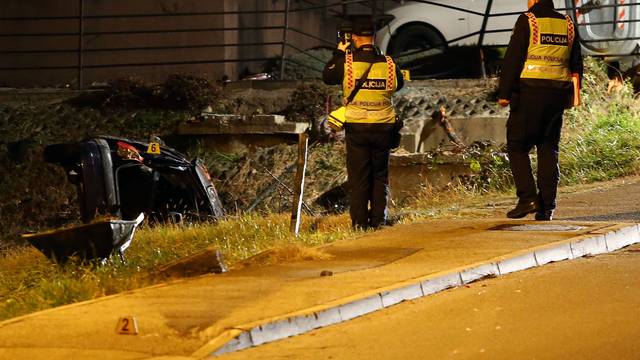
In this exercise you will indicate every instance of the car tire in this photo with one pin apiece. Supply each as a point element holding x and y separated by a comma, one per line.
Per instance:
<point>416,37</point>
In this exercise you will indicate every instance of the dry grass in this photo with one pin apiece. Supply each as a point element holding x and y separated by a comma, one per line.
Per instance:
<point>457,201</point>
<point>29,282</point>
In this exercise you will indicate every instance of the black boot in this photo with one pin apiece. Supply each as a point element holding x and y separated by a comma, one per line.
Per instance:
<point>522,209</point>
<point>544,215</point>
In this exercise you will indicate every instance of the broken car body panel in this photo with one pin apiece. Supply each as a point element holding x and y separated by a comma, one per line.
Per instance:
<point>97,240</point>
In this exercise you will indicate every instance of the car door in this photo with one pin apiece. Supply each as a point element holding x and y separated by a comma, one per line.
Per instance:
<point>502,17</point>
<point>445,20</point>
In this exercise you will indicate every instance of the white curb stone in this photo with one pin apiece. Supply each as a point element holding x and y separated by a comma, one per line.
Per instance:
<point>360,307</point>
<point>621,238</point>
<point>479,272</point>
<point>243,341</point>
<point>590,246</point>
<point>518,263</point>
<point>556,253</point>
<point>440,283</point>
<point>397,296</point>
<point>328,317</point>
<point>274,331</point>
<point>307,323</point>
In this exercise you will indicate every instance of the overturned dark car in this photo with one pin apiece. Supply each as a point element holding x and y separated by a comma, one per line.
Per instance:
<point>124,178</point>
<point>121,182</point>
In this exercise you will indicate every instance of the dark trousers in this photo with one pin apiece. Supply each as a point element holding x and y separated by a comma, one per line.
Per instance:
<point>368,171</point>
<point>536,120</point>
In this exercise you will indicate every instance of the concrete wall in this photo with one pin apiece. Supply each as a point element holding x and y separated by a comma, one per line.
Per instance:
<point>412,176</point>
<point>416,137</point>
<point>201,60</point>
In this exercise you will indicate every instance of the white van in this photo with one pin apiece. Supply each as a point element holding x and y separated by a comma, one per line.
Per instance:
<point>417,25</point>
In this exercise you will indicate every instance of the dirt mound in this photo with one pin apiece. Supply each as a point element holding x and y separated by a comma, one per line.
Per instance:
<point>285,253</point>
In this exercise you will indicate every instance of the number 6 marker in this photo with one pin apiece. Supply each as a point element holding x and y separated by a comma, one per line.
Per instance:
<point>154,148</point>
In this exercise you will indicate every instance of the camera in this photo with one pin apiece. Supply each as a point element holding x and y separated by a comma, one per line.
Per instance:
<point>344,36</point>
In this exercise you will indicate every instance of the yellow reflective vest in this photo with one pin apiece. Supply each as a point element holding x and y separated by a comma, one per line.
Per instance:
<point>550,43</point>
<point>373,104</point>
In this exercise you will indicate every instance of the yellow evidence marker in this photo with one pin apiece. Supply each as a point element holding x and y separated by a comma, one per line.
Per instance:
<point>154,148</point>
<point>127,325</point>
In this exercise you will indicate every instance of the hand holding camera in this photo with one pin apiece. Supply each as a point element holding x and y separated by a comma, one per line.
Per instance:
<point>344,43</point>
<point>343,46</point>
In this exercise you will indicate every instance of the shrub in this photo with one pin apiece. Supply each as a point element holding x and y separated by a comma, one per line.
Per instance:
<point>127,93</point>
<point>601,138</point>
<point>188,92</point>
<point>179,92</point>
<point>308,104</point>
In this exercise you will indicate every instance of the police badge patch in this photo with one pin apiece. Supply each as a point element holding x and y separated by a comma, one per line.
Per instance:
<point>375,84</point>
<point>554,39</point>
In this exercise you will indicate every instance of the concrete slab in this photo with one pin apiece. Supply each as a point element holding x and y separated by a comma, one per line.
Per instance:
<point>213,314</point>
<point>224,124</point>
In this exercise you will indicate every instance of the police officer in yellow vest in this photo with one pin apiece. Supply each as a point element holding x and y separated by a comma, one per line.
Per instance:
<point>541,69</point>
<point>369,120</point>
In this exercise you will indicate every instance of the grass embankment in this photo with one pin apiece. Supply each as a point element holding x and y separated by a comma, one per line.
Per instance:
<point>601,140</point>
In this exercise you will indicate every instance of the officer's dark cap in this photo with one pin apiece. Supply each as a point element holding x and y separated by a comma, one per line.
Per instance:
<point>365,25</point>
<point>362,25</point>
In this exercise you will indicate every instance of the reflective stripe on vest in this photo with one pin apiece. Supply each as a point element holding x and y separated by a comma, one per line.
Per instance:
<point>550,43</point>
<point>373,102</point>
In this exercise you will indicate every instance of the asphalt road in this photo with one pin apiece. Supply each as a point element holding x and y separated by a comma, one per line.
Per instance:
<point>581,309</point>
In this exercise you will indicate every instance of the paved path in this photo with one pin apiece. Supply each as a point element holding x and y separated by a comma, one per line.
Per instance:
<point>616,200</point>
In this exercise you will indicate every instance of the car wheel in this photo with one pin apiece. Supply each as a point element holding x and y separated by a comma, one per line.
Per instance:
<point>409,47</point>
<point>414,38</point>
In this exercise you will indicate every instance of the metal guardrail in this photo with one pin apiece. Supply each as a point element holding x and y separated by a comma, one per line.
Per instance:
<point>377,6</point>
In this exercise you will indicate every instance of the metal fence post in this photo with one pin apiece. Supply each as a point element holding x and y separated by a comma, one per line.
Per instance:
<point>374,9</point>
<point>284,38</point>
<point>80,44</point>
<point>487,14</point>
<point>298,190</point>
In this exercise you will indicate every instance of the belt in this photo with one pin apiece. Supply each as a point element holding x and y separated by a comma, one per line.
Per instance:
<point>384,103</point>
<point>556,70</point>
<point>356,114</point>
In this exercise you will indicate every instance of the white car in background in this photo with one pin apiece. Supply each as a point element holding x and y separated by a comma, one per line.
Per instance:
<point>420,25</point>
